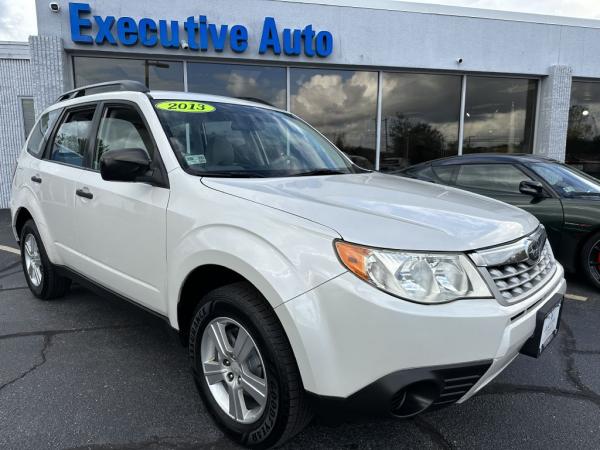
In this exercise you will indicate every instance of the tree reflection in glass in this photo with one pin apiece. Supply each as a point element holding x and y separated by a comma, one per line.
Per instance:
<point>583,135</point>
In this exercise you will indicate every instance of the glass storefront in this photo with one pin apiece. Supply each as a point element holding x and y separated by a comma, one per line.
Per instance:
<point>263,83</point>
<point>583,135</point>
<point>420,118</point>
<point>499,115</point>
<point>420,113</point>
<point>342,104</point>
<point>165,75</point>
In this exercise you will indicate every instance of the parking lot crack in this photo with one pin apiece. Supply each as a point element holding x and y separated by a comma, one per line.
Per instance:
<point>46,344</point>
<point>433,433</point>
<point>569,350</point>
<point>51,333</point>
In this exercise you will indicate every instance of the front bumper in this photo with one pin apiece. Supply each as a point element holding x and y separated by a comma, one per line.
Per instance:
<point>350,338</point>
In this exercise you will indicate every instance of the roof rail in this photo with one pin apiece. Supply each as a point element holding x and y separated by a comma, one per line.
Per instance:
<point>121,85</point>
<point>256,100</point>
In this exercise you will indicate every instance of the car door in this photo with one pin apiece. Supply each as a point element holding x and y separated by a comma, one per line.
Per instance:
<point>124,223</point>
<point>65,161</point>
<point>501,181</point>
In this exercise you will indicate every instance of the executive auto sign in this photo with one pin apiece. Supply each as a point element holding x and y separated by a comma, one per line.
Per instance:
<point>196,33</point>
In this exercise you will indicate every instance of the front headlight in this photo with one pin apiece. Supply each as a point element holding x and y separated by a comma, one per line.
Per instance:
<point>415,276</point>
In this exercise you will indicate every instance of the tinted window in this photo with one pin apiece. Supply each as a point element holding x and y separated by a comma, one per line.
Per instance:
<point>266,84</point>
<point>491,177</point>
<point>166,75</point>
<point>421,172</point>
<point>341,104</point>
<point>121,127</point>
<point>72,137</point>
<point>583,135</point>
<point>499,115</point>
<point>446,173</point>
<point>40,132</point>
<point>420,116</point>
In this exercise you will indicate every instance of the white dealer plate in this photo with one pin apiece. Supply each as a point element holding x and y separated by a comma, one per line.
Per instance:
<point>550,327</point>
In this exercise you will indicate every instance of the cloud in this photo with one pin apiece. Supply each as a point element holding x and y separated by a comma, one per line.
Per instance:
<point>18,20</point>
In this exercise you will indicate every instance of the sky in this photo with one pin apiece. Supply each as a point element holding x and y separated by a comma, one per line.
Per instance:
<point>17,21</point>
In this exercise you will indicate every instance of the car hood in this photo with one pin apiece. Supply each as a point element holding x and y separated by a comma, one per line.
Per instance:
<point>388,211</point>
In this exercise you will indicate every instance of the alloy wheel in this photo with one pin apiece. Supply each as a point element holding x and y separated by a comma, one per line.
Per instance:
<point>234,370</point>
<point>33,260</point>
<point>594,261</point>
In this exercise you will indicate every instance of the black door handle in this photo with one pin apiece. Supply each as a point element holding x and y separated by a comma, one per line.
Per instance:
<point>84,193</point>
<point>36,179</point>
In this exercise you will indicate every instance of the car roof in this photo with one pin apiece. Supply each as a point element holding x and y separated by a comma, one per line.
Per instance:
<point>490,158</point>
<point>164,95</point>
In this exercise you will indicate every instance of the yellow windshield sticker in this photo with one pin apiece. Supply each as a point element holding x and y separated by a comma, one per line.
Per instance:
<point>185,106</point>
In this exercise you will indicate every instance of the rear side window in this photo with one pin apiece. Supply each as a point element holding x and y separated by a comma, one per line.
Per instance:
<point>71,139</point>
<point>40,132</point>
<point>446,173</point>
<point>491,177</point>
<point>121,127</point>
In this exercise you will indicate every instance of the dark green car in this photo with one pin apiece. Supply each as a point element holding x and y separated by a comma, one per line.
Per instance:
<point>565,200</point>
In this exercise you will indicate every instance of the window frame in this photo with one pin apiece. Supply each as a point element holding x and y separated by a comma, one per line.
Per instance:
<point>156,158</point>
<point>46,154</point>
<point>47,135</point>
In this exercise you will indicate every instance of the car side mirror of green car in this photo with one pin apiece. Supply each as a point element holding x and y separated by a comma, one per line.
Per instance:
<point>533,188</point>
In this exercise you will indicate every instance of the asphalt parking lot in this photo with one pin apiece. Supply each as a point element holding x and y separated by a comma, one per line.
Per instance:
<point>85,372</point>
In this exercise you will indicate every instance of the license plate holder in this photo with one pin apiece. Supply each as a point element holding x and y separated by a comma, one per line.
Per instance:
<point>547,324</point>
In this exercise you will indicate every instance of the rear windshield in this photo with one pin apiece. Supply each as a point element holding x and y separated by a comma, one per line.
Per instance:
<point>228,140</point>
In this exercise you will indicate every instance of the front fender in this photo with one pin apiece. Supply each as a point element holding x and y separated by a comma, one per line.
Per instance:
<point>281,267</point>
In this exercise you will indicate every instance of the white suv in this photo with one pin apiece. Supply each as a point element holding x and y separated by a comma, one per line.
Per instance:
<point>299,281</point>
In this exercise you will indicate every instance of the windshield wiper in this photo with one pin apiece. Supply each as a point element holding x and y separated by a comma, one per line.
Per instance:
<point>226,174</point>
<point>320,172</point>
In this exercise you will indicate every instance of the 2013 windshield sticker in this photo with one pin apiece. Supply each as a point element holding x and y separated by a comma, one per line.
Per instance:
<point>185,106</point>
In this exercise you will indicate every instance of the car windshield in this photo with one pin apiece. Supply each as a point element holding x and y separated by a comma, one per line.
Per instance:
<point>229,140</point>
<point>567,181</point>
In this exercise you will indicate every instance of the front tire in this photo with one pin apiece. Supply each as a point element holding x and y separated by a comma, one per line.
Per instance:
<point>42,278</point>
<point>590,259</point>
<point>244,368</point>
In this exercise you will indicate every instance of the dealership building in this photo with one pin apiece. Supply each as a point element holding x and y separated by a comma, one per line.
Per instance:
<point>391,83</point>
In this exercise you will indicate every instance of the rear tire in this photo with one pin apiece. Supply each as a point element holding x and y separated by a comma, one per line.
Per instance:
<point>590,259</point>
<point>41,275</point>
<point>234,310</point>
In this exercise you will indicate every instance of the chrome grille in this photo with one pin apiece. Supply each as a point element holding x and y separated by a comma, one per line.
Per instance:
<point>515,270</point>
<point>515,280</point>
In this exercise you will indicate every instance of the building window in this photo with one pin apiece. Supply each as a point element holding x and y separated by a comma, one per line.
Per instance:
<point>260,83</point>
<point>165,75</point>
<point>341,104</point>
<point>420,118</point>
<point>499,115</point>
<point>28,112</point>
<point>583,135</point>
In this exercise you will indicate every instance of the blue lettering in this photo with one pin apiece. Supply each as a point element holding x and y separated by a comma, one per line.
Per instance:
<point>308,34</point>
<point>269,38</point>
<point>127,31</point>
<point>104,27</point>
<point>165,40</point>
<point>191,28</point>
<point>203,34</point>
<point>324,43</point>
<point>218,38</point>
<point>239,38</point>
<point>147,31</point>
<point>292,44</point>
<point>77,23</point>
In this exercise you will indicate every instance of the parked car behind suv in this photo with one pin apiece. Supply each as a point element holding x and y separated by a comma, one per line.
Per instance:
<point>297,279</point>
<point>565,200</point>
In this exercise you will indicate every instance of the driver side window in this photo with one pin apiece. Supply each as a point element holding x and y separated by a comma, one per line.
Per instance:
<point>121,127</point>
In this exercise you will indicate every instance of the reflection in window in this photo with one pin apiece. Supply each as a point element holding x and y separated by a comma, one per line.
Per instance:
<point>491,177</point>
<point>499,115</point>
<point>583,135</point>
<point>165,75</point>
<point>262,83</point>
<point>420,117</point>
<point>341,104</point>
<point>72,136</point>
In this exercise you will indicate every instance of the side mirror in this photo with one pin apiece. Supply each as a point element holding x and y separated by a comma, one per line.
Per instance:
<point>533,188</point>
<point>128,164</point>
